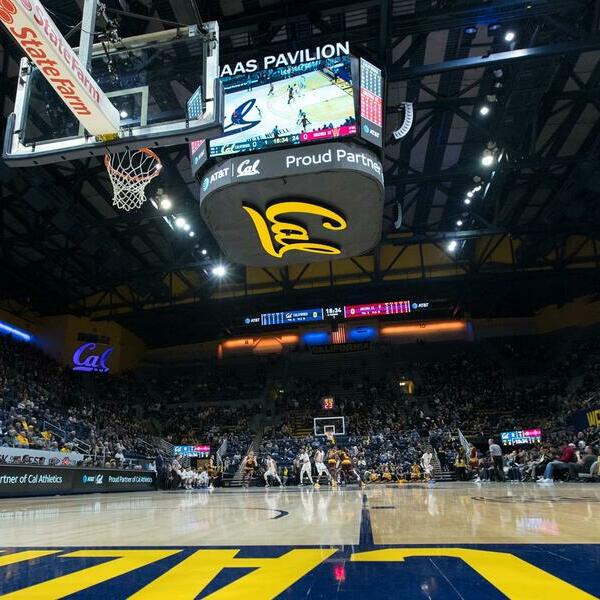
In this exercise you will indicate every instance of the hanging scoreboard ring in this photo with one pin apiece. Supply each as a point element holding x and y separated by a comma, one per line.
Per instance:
<point>300,205</point>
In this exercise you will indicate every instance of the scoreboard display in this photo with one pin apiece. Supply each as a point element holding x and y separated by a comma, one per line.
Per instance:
<point>198,451</point>
<point>328,403</point>
<point>371,103</point>
<point>397,307</point>
<point>292,316</point>
<point>353,311</point>
<point>523,436</point>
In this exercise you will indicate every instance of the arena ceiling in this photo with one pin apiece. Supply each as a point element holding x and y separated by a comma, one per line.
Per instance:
<point>528,238</point>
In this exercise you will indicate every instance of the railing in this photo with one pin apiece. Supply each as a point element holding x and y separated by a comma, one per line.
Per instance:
<point>83,446</point>
<point>55,429</point>
<point>463,442</point>
<point>221,452</point>
<point>166,447</point>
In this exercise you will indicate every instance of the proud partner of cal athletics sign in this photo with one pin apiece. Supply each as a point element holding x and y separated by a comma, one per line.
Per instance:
<point>25,480</point>
<point>293,206</point>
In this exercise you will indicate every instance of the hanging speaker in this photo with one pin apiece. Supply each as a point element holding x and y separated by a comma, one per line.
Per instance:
<point>407,108</point>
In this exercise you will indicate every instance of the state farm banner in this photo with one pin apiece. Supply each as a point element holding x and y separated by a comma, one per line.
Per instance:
<point>25,480</point>
<point>29,24</point>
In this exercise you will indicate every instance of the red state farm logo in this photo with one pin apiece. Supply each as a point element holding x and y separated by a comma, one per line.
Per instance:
<point>7,10</point>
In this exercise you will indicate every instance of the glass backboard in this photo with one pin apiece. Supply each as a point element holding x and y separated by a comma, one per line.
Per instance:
<point>148,78</point>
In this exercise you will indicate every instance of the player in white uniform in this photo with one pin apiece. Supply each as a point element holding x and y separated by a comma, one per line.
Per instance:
<point>306,467</point>
<point>271,471</point>
<point>320,466</point>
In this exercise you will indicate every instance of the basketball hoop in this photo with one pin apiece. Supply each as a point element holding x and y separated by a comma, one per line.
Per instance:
<point>130,172</point>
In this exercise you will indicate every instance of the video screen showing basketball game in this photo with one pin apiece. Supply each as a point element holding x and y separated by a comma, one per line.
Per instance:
<point>308,102</point>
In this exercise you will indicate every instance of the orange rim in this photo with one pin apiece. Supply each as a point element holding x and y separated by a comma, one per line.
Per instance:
<point>123,175</point>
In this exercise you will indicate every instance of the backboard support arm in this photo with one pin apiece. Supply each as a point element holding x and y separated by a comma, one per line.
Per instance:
<point>88,27</point>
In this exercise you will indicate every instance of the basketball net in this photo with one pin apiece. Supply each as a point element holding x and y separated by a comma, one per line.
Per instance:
<point>130,172</point>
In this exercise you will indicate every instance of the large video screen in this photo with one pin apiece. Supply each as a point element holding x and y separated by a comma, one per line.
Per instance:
<point>308,102</point>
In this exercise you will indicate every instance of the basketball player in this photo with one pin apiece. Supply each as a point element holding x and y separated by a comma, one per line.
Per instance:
<point>249,467</point>
<point>348,468</point>
<point>306,467</point>
<point>320,466</point>
<point>304,122</point>
<point>271,472</point>
<point>333,464</point>
<point>271,91</point>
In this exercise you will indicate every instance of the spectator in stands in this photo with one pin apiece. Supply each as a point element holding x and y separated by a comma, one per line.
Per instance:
<point>560,463</point>
<point>584,462</point>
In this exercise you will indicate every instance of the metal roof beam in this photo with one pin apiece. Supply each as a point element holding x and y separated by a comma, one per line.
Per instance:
<point>495,59</point>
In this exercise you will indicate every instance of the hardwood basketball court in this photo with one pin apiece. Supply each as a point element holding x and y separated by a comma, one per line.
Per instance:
<point>447,540</point>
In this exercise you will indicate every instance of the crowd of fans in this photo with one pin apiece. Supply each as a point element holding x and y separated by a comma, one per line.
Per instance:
<point>110,421</point>
<point>44,407</point>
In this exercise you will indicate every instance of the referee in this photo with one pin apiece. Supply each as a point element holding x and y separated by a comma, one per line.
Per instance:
<point>496,454</point>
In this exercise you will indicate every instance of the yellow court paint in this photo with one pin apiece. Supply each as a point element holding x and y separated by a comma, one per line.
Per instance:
<point>271,576</point>
<point>514,577</point>
<point>124,561</point>
<point>17,557</point>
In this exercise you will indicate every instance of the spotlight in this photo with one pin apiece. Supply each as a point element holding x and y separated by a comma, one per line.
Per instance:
<point>484,110</point>
<point>180,222</point>
<point>493,28</point>
<point>165,203</point>
<point>459,223</point>
<point>191,234</point>
<point>123,114</point>
<point>219,271</point>
<point>510,36</point>
<point>186,227</point>
<point>477,188</point>
<point>467,201</point>
<point>487,159</point>
<point>204,252</point>
<point>470,194</point>
<point>471,31</point>
<point>452,246</point>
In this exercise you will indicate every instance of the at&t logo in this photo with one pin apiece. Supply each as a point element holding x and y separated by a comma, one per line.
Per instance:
<point>97,479</point>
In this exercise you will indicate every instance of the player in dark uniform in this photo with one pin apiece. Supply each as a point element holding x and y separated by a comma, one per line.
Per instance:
<point>249,468</point>
<point>332,464</point>
<point>347,468</point>
<point>304,122</point>
<point>290,94</point>
<point>271,91</point>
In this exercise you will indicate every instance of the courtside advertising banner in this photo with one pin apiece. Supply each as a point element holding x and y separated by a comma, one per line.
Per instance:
<point>31,27</point>
<point>25,480</point>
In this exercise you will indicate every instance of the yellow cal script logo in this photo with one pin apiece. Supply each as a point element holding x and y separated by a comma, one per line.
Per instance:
<point>288,235</point>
